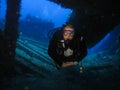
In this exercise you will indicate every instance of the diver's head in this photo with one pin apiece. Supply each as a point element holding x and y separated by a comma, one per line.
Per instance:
<point>68,32</point>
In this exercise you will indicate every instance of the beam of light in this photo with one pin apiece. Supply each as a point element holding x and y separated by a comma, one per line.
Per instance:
<point>99,45</point>
<point>45,10</point>
<point>2,9</point>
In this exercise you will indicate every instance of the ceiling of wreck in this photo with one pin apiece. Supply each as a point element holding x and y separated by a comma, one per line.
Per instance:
<point>94,18</point>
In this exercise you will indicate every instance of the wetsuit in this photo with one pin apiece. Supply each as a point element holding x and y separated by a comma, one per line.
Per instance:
<point>64,51</point>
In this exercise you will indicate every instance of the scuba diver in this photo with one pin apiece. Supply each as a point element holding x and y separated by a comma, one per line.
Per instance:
<point>67,47</point>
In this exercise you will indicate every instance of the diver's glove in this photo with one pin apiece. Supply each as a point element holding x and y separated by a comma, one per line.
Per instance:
<point>68,64</point>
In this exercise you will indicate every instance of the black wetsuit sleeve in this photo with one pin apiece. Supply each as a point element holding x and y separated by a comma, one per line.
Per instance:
<point>81,50</point>
<point>52,50</point>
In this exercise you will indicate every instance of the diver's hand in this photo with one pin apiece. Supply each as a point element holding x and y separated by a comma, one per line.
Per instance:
<point>67,64</point>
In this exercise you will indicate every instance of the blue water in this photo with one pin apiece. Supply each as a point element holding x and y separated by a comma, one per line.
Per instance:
<point>46,10</point>
<point>38,17</point>
<point>41,9</point>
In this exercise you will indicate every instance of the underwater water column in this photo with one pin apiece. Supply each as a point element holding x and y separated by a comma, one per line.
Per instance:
<point>11,33</point>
